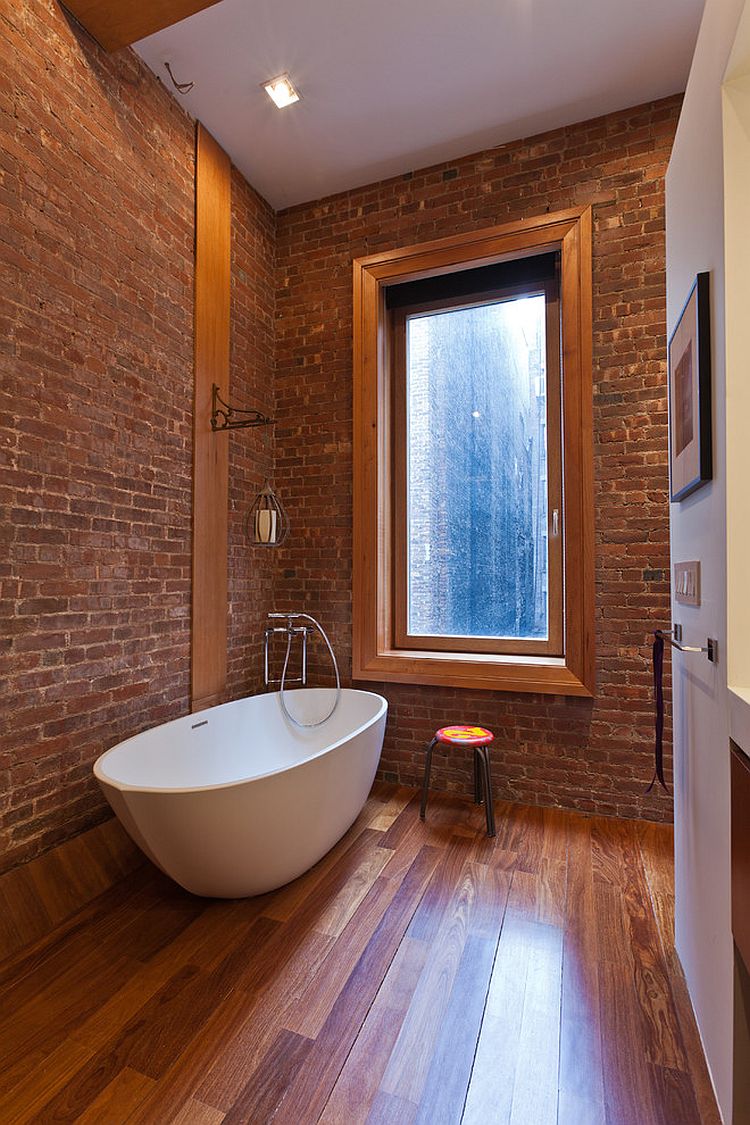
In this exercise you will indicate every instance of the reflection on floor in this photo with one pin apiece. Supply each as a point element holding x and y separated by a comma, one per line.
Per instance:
<point>419,973</point>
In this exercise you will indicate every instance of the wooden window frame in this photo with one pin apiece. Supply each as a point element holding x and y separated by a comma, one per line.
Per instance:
<point>376,655</point>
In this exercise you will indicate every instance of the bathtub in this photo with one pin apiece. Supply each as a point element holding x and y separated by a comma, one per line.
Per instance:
<point>235,800</point>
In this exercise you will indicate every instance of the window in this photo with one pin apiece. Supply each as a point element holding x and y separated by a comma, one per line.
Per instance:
<point>473,498</point>
<point>477,470</point>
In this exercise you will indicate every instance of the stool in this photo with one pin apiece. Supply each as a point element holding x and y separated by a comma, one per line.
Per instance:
<point>479,738</point>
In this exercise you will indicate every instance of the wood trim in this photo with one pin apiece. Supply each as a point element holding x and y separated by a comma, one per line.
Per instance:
<point>375,655</point>
<point>509,239</point>
<point>578,412</point>
<point>531,674</point>
<point>118,23</point>
<point>38,896</point>
<point>740,831</point>
<point>213,204</point>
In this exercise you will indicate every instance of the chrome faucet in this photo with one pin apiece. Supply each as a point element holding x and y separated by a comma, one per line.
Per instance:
<point>289,631</point>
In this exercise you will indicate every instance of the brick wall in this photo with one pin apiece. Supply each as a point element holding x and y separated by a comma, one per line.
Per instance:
<point>592,755</point>
<point>96,250</point>
<point>96,355</point>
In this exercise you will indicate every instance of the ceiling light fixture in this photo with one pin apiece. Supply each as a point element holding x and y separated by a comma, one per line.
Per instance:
<point>281,91</point>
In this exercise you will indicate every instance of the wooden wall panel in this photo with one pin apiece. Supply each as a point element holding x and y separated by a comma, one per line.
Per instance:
<point>741,853</point>
<point>117,23</point>
<point>213,204</point>
<point>40,895</point>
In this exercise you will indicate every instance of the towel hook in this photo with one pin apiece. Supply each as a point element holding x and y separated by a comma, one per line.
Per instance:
<point>674,637</point>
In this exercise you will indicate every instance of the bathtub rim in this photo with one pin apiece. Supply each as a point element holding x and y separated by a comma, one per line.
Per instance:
<point>123,787</point>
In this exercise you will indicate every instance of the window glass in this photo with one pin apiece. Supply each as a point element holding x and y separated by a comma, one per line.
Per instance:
<point>476,468</point>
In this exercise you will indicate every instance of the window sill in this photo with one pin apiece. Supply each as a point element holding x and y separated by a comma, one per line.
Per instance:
<point>546,675</point>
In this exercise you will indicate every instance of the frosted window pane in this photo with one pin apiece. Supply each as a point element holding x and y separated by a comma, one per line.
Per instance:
<point>477,471</point>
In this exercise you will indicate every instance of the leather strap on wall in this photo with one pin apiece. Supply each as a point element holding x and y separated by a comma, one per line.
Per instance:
<point>658,657</point>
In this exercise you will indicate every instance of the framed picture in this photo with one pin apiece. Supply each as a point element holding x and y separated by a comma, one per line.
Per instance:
<point>690,463</point>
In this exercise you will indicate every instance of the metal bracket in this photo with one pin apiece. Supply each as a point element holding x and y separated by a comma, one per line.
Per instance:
<point>222,414</point>
<point>674,636</point>
<point>287,630</point>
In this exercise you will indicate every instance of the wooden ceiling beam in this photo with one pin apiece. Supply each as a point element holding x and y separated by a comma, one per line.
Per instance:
<point>118,23</point>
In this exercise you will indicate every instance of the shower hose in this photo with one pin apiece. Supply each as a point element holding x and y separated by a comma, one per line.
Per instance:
<point>282,700</point>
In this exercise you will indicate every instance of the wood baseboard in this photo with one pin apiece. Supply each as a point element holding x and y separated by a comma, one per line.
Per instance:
<point>39,895</point>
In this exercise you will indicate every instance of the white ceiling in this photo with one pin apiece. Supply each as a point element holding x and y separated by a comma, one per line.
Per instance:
<point>393,85</point>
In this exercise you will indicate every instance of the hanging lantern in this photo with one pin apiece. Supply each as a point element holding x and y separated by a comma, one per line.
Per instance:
<point>267,523</point>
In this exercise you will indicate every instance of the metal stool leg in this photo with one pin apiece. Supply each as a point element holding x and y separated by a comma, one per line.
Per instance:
<point>426,782</point>
<point>489,807</point>
<point>478,772</point>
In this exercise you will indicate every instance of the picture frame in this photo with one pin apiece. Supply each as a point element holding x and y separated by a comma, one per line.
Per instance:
<point>689,363</point>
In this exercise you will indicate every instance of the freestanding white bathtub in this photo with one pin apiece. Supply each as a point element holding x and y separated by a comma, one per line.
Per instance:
<point>236,800</point>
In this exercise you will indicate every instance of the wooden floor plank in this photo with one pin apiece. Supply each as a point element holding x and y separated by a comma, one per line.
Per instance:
<point>313,1085</point>
<point>521,830</point>
<point>421,972</point>
<point>299,952</point>
<point>263,1093</point>
<point>387,813</point>
<point>357,1084</point>
<point>581,1089</point>
<point>387,1109</point>
<point>628,1084</point>
<point>310,1012</point>
<point>523,1000</point>
<point>58,1012</point>
<point>344,905</point>
<point>660,1027</point>
<point>441,1089</point>
<point>24,1103</point>
<point>194,1112</point>
<point>414,1050</point>
<point>107,1020</point>
<point>675,1101</point>
<point>540,896</point>
<point>535,1087</point>
<point>451,1059</point>
<point>697,1067</point>
<point>332,868</point>
<point>127,1090</point>
<point>220,1067</point>
<point>158,1034</point>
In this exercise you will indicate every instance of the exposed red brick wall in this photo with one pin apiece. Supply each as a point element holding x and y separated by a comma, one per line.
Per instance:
<point>96,248</point>
<point>251,568</point>
<point>548,750</point>
<point>96,354</point>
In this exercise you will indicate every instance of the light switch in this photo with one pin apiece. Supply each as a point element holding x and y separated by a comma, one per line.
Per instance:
<point>687,583</point>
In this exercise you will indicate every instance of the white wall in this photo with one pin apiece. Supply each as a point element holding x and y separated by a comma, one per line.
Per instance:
<point>737,259</point>
<point>695,242</point>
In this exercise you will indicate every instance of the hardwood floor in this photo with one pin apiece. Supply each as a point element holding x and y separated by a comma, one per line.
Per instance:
<point>420,973</point>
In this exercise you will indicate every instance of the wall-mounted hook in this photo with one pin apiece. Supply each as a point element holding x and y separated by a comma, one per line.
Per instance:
<point>180,87</point>
<point>674,637</point>
<point>223,416</point>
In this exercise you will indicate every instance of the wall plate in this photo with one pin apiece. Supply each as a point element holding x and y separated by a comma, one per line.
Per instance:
<point>687,583</point>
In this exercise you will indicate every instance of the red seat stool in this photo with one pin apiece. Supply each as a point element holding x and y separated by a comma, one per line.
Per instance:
<point>479,739</point>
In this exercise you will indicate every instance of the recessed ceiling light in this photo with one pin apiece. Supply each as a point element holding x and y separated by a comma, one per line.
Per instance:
<point>281,91</point>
